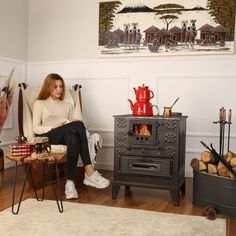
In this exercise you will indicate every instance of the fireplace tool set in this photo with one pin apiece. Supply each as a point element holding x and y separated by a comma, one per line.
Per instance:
<point>222,121</point>
<point>214,179</point>
<point>219,157</point>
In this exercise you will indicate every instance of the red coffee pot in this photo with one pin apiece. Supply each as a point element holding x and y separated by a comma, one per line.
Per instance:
<point>143,93</point>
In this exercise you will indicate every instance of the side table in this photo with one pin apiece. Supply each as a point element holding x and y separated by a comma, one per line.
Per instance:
<point>52,158</point>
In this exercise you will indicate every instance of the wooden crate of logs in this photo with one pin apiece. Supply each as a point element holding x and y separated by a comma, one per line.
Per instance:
<point>209,165</point>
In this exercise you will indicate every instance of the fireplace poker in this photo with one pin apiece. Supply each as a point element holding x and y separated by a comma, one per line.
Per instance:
<point>229,124</point>
<point>223,130</point>
<point>219,158</point>
<point>221,121</point>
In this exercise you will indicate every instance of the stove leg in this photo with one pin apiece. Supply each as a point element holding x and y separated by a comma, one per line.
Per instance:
<point>115,190</point>
<point>175,195</point>
<point>127,188</point>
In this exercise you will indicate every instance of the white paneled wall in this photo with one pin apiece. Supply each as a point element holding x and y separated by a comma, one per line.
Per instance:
<point>103,97</point>
<point>200,99</point>
<point>106,86</point>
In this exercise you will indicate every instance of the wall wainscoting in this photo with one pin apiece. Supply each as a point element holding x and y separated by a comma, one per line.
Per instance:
<point>202,87</point>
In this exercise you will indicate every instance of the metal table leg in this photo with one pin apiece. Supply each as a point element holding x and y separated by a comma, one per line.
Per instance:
<point>22,191</point>
<point>29,174</point>
<point>33,185</point>
<point>59,205</point>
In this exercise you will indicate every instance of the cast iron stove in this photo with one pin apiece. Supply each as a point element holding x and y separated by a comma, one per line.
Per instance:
<point>150,152</point>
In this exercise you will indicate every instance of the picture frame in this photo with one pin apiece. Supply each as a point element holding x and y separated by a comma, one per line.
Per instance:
<point>164,27</point>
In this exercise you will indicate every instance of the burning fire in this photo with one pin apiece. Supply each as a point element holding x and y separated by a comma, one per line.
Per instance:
<point>142,129</point>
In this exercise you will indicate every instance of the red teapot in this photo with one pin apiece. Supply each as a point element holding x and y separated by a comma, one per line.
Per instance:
<point>143,93</point>
<point>142,108</point>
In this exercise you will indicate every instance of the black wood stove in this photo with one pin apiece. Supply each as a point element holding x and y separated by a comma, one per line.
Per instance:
<point>150,152</point>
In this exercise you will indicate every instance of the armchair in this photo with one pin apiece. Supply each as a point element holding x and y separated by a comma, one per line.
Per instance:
<point>27,97</point>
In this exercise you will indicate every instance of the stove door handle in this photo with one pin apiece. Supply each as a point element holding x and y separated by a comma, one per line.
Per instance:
<point>130,133</point>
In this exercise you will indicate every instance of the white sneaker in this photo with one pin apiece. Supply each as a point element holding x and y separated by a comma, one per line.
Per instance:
<point>70,190</point>
<point>96,180</point>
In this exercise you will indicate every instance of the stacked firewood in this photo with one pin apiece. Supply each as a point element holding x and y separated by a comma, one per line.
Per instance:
<point>218,163</point>
<point>208,164</point>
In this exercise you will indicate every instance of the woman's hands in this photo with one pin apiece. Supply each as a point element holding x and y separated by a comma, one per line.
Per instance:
<point>63,122</point>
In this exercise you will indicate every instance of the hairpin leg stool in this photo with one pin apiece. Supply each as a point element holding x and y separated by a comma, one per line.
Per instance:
<point>27,161</point>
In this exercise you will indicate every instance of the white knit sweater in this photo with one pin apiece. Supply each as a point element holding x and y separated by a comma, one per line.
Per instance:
<point>48,113</point>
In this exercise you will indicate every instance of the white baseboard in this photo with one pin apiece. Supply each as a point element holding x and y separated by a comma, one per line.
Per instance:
<point>104,166</point>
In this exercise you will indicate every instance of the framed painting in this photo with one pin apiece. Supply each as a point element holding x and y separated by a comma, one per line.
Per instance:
<point>165,27</point>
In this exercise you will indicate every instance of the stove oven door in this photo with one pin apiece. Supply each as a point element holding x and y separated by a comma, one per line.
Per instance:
<point>142,131</point>
<point>146,166</point>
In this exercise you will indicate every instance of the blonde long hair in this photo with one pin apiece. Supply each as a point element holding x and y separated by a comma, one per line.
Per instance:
<point>48,86</point>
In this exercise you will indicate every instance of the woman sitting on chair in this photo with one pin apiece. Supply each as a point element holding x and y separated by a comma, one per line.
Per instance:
<point>53,118</point>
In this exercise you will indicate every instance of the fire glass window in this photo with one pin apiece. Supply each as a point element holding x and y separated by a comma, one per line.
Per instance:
<point>142,129</point>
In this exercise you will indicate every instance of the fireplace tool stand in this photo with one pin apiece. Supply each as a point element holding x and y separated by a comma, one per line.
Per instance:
<point>222,122</point>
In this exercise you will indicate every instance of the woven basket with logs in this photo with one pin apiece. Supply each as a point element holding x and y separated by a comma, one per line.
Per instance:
<point>209,165</point>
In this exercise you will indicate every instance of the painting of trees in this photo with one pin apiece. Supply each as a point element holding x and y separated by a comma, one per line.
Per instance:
<point>168,12</point>
<point>166,27</point>
<point>106,15</point>
<point>223,12</point>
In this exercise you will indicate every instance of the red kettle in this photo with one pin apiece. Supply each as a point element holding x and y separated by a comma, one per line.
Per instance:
<point>142,108</point>
<point>143,93</point>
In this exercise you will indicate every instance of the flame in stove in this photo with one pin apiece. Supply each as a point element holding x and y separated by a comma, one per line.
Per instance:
<point>142,129</point>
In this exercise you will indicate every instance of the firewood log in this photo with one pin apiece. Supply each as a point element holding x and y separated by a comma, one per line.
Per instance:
<point>231,174</point>
<point>212,169</point>
<point>223,171</point>
<point>220,164</point>
<point>228,156</point>
<point>202,166</point>
<point>194,163</point>
<point>233,162</point>
<point>206,156</point>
